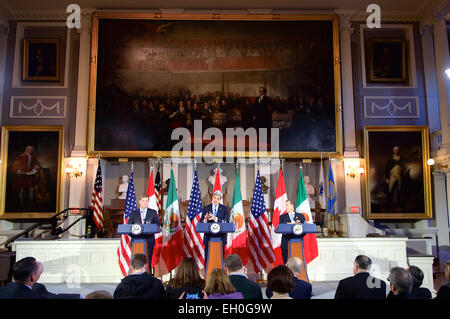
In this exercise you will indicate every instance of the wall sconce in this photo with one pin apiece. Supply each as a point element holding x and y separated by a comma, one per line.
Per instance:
<point>448,72</point>
<point>76,167</point>
<point>430,162</point>
<point>352,167</point>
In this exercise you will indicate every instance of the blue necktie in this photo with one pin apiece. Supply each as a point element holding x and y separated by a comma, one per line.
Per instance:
<point>215,211</point>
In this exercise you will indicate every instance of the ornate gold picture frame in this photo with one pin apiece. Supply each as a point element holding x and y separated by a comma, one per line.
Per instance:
<point>41,60</point>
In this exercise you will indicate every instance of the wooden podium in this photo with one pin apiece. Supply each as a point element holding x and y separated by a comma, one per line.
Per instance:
<point>295,244</point>
<point>139,243</point>
<point>215,250</point>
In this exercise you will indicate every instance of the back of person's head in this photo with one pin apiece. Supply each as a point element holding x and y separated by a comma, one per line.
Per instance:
<point>219,282</point>
<point>99,294</point>
<point>417,275</point>
<point>281,280</point>
<point>233,263</point>
<point>295,264</point>
<point>138,261</point>
<point>187,274</point>
<point>23,269</point>
<point>401,279</point>
<point>363,262</point>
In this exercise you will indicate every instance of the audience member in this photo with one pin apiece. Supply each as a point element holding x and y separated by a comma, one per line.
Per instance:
<point>249,288</point>
<point>401,283</point>
<point>219,286</point>
<point>361,285</point>
<point>444,291</point>
<point>280,281</point>
<point>99,294</point>
<point>139,284</point>
<point>302,289</point>
<point>25,274</point>
<point>417,291</point>
<point>187,280</point>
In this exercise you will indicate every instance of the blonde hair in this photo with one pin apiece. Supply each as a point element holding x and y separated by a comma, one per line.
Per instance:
<point>219,282</point>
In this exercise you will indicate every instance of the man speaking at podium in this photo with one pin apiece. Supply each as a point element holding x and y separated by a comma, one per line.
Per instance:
<point>215,213</point>
<point>144,215</point>
<point>291,217</point>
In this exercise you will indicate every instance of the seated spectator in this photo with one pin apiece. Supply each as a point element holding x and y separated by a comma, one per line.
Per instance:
<point>280,281</point>
<point>233,267</point>
<point>25,274</point>
<point>401,283</point>
<point>219,286</point>
<point>187,280</point>
<point>444,291</point>
<point>40,290</point>
<point>99,294</point>
<point>139,284</point>
<point>361,285</point>
<point>302,289</point>
<point>417,291</point>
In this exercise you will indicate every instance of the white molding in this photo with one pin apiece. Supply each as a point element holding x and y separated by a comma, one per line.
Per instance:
<point>391,101</point>
<point>38,100</point>
<point>17,70</point>
<point>412,56</point>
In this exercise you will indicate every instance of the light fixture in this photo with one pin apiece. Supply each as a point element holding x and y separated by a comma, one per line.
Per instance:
<point>352,167</point>
<point>75,167</point>
<point>430,162</point>
<point>448,72</point>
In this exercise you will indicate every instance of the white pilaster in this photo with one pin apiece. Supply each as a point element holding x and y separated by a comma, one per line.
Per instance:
<point>80,146</point>
<point>442,63</point>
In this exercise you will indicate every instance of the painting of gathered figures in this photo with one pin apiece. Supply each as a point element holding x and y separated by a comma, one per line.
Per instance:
<point>156,76</point>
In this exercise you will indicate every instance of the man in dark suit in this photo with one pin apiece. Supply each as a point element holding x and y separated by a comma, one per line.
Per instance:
<point>249,288</point>
<point>291,217</point>
<point>262,111</point>
<point>361,285</point>
<point>214,213</point>
<point>139,284</point>
<point>401,283</point>
<point>416,291</point>
<point>25,274</point>
<point>144,215</point>
<point>302,289</point>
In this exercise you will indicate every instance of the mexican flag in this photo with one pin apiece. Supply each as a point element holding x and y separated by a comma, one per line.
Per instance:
<point>311,249</point>
<point>172,247</point>
<point>237,241</point>
<point>278,210</point>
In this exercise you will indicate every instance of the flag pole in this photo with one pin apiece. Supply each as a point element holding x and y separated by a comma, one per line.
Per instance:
<point>334,216</point>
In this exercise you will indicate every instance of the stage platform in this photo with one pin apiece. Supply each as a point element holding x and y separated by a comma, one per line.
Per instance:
<point>95,261</point>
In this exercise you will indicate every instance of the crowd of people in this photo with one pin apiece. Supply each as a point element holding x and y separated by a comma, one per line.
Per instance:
<point>230,283</point>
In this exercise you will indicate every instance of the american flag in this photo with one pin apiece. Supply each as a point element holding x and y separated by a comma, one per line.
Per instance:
<point>97,199</point>
<point>260,245</point>
<point>124,250</point>
<point>193,241</point>
<point>158,189</point>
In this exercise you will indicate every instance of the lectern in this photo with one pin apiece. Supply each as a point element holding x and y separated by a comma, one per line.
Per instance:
<point>215,251</point>
<point>296,232</point>
<point>139,243</point>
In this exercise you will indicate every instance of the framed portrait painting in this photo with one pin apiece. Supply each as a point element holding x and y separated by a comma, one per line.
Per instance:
<point>398,182</point>
<point>152,75</point>
<point>387,61</point>
<point>31,171</point>
<point>41,60</point>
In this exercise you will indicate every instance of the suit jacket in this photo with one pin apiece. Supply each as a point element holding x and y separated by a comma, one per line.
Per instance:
<point>302,290</point>
<point>356,287</point>
<point>401,295</point>
<point>222,216</point>
<point>41,290</point>
<point>284,219</point>
<point>151,217</point>
<point>262,112</point>
<point>444,292</point>
<point>139,286</point>
<point>15,290</point>
<point>249,289</point>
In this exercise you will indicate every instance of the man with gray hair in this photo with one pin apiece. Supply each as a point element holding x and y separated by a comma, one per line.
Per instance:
<point>302,289</point>
<point>233,267</point>
<point>401,283</point>
<point>362,285</point>
<point>214,213</point>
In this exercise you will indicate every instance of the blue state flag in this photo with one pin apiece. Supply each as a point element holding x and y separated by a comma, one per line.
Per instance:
<point>331,205</point>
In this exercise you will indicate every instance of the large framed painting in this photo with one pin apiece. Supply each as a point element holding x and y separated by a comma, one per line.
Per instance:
<point>398,182</point>
<point>387,61</point>
<point>31,171</point>
<point>41,59</point>
<point>154,73</point>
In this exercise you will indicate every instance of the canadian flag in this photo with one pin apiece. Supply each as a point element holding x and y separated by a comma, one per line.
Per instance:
<point>278,210</point>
